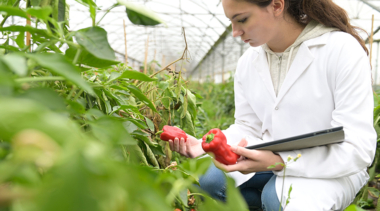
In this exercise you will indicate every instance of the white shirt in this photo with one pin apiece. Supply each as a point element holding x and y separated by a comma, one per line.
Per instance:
<point>327,85</point>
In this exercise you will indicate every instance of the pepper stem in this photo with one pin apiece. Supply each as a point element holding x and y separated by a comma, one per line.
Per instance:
<point>209,138</point>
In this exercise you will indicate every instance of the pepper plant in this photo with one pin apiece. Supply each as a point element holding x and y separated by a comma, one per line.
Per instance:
<point>80,130</point>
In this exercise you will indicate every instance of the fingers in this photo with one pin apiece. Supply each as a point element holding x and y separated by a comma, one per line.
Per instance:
<point>182,147</point>
<point>171,145</point>
<point>244,152</point>
<point>179,146</point>
<point>241,158</point>
<point>240,166</point>
<point>220,166</point>
<point>188,147</point>
<point>176,145</point>
<point>243,143</point>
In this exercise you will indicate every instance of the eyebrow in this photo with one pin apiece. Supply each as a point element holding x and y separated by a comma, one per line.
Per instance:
<point>236,16</point>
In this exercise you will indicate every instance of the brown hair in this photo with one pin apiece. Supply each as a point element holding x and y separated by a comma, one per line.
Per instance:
<point>324,11</point>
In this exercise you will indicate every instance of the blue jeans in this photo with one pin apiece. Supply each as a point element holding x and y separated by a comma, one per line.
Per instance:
<point>259,191</point>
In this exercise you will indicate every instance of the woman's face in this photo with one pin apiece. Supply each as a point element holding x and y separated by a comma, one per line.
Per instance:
<point>254,25</point>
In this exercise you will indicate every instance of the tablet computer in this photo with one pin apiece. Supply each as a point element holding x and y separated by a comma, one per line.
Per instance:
<point>317,138</point>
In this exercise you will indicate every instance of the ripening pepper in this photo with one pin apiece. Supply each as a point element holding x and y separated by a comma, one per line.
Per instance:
<point>215,141</point>
<point>170,133</point>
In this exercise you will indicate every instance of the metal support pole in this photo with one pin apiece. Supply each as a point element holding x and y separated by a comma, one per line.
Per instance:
<point>377,63</point>
<point>213,66</point>
<point>223,60</point>
<point>200,73</point>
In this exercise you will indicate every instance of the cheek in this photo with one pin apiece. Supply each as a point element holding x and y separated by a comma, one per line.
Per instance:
<point>258,34</point>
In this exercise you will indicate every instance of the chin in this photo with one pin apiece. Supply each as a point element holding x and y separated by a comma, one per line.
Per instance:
<point>255,44</point>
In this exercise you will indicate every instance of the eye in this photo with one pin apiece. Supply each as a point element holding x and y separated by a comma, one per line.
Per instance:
<point>243,20</point>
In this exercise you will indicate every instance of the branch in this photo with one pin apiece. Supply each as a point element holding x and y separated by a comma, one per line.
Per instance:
<point>183,57</point>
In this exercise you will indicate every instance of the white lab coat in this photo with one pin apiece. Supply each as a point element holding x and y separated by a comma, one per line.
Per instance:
<point>328,85</point>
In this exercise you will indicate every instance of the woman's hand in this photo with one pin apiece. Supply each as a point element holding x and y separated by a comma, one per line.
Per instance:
<point>251,160</point>
<point>191,148</point>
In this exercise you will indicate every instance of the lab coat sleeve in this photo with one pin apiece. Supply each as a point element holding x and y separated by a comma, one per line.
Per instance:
<point>353,101</point>
<point>247,124</point>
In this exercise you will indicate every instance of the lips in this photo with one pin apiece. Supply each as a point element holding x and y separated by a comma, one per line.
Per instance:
<point>247,41</point>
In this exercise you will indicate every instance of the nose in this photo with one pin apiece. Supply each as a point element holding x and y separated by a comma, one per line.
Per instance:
<point>236,32</point>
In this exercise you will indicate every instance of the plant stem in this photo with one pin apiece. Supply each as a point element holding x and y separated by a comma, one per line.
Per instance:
<point>7,16</point>
<point>78,94</point>
<point>378,204</point>
<point>77,56</point>
<point>71,93</point>
<point>365,193</point>
<point>42,78</point>
<point>282,190</point>
<point>108,10</point>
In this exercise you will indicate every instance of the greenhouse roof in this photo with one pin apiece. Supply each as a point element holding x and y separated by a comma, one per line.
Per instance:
<point>204,23</point>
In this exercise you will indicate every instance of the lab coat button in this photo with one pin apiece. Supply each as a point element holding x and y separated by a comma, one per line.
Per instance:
<point>276,108</point>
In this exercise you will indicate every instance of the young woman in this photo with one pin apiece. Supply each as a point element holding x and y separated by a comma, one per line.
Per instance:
<point>307,70</point>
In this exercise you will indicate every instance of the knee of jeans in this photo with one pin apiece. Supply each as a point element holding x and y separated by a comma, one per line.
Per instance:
<point>214,182</point>
<point>269,197</point>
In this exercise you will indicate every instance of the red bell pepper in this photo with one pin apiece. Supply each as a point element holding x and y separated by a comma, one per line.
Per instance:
<point>170,133</point>
<point>215,141</point>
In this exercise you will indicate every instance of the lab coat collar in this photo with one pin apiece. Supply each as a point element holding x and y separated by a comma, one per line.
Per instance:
<point>302,60</point>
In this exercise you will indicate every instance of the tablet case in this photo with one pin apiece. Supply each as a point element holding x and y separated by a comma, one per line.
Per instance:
<point>318,138</point>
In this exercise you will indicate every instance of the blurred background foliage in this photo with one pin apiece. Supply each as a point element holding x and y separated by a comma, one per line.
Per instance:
<point>80,130</point>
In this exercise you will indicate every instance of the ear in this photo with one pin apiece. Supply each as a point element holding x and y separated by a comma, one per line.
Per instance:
<point>278,7</point>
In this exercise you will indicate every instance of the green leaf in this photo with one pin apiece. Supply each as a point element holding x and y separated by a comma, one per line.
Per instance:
<point>136,91</point>
<point>94,40</point>
<point>131,74</point>
<point>32,30</point>
<point>192,104</point>
<point>59,10</point>
<point>130,127</point>
<point>184,110</point>
<point>289,192</point>
<point>374,192</point>
<point>16,63</point>
<point>138,123</point>
<point>109,128</point>
<point>20,114</point>
<point>87,3</point>
<point>20,40</point>
<point>13,11</point>
<point>189,125</point>
<point>9,2</point>
<point>143,138</point>
<point>75,107</point>
<point>274,166</point>
<point>353,207</point>
<point>40,12</point>
<point>7,84</point>
<point>150,124</point>
<point>59,65</point>
<point>235,200</point>
<point>140,15</point>
<point>148,153</point>
<point>127,108</point>
<point>9,48</point>
<point>45,96</point>
<point>158,150</point>
<point>196,167</point>
<point>88,59</point>
<point>35,3</point>
<point>162,86</point>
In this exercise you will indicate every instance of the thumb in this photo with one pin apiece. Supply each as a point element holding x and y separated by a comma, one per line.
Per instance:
<point>243,143</point>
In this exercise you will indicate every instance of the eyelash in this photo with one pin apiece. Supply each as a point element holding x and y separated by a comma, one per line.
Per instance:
<point>242,21</point>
